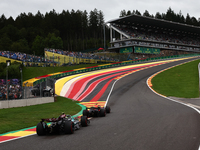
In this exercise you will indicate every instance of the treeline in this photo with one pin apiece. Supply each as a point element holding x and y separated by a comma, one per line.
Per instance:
<point>170,15</point>
<point>69,30</point>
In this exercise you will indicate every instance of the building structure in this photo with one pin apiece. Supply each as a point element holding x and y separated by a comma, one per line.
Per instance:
<point>149,36</point>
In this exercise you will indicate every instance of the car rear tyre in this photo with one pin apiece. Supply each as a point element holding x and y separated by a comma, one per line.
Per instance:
<point>102,112</point>
<point>40,129</point>
<point>84,121</point>
<point>68,127</point>
<point>107,109</point>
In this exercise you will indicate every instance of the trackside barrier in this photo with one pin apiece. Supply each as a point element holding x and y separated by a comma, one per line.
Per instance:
<point>25,102</point>
<point>35,81</point>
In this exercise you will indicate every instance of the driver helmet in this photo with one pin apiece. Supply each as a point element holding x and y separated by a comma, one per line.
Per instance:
<point>63,115</point>
<point>96,105</point>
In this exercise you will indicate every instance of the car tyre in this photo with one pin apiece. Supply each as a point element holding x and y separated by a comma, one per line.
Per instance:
<point>102,112</point>
<point>40,129</point>
<point>85,113</point>
<point>84,121</point>
<point>108,109</point>
<point>68,127</point>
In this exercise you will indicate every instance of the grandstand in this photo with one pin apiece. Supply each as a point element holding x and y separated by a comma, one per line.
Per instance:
<point>141,35</point>
<point>62,57</point>
<point>53,57</point>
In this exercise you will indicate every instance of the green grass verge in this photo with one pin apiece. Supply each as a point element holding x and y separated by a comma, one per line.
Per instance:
<point>24,117</point>
<point>181,81</point>
<point>32,72</point>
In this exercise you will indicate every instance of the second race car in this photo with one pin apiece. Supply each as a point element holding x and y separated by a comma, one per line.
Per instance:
<point>96,111</point>
<point>63,124</point>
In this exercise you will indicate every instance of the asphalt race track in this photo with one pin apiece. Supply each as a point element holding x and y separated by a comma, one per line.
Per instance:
<point>139,120</point>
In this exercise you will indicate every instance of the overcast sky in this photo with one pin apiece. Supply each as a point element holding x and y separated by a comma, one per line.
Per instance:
<point>110,8</point>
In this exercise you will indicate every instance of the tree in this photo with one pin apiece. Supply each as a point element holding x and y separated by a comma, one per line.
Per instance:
<point>146,14</point>
<point>64,20</point>
<point>38,45</point>
<point>158,16</point>
<point>10,31</point>
<point>2,21</point>
<point>194,21</point>
<point>170,15</point>
<point>93,25</point>
<point>128,13</point>
<point>84,27</point>
<point>21,21</point>
<point>20,46</point>
<point>5,43</point>
<point>22,33</point>
<point>122,13</point>
<point>101,24</point>
<point>180,17</point>
<point>52,41</point>
<point>137,13</point>
<point>10,21</point>
<point>188,19</point>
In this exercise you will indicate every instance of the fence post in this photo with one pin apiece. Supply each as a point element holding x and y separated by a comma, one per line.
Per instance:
<point>25,93</point>
<point>40,89</point>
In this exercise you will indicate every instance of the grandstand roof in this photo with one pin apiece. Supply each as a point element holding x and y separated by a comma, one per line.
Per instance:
<point>152,22</point>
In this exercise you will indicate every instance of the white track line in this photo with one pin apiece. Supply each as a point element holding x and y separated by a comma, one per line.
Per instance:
<point>188,105</point>
<point>110,92</point>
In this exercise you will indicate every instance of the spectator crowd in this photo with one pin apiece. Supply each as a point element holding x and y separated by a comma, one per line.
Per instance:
<point>80,54</point>
<point>14,89</point>
<point>22,56</point>
<point>30,59</point>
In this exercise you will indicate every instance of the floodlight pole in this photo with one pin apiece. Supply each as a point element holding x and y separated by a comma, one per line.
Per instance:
<point>7,80</point>
<point>53,63</point>
<point>21,82</point>
<point>104,36</point>
<point>7,64</point>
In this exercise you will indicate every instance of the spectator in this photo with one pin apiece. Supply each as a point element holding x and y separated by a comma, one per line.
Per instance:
<point>14,90</point>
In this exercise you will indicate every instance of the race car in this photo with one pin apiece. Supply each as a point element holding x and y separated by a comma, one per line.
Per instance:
<point>63,124</point>
<point>96,111</point>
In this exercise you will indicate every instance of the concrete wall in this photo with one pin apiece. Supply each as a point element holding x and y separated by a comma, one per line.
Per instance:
<point>25,102</point>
